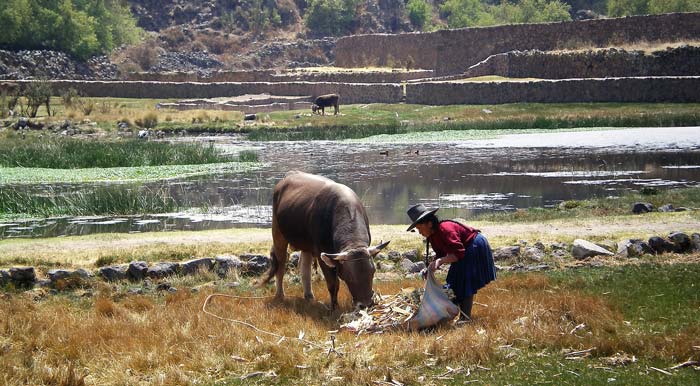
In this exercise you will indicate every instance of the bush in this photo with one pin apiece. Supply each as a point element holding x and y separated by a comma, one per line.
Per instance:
<point>148,121</point>
<point>37,93</point>
<point>331,17</point>
<point>419,12</point>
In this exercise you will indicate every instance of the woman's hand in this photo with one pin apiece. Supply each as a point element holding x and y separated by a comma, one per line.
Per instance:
<point>435,265</point>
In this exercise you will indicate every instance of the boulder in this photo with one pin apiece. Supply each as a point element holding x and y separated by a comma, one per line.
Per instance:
<point>633,248</point>
<point>255,264</point>
<point>113,273</point>
<point>660,245</point>
<point>695,241</point>
<point>642,207</point>
<point>294,259</point>
<point>23,276</point>
<point>533,253</point>
<point>385,266</point>
<point>65,274</point>
<point>583,249</point>
<point>408,266</point>
<point>506,253</point>
<point>667,208</point>
<point>137,270</point>
<point>193,266</point>
<point>4,277</point>
<point>226,264</point>
<point>411,255</point>
<point>681,242</point>
<point>394,255</point>
<point>161,270</point>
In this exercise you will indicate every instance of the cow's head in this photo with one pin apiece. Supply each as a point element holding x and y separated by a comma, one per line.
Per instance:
<point>314,108</point>
<point>356,268</point>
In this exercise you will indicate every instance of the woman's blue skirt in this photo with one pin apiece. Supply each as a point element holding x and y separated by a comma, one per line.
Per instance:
<point>465,277</point>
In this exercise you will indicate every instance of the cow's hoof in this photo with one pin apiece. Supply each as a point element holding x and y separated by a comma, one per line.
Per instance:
<point>309,298</point>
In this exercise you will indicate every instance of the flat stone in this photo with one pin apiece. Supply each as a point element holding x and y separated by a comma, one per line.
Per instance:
<point>226,264</point>
<point>633,248</point>
<point>506,253</point>
<point>583,249</point>
<point>161,270</point>
<point>113,273</point>
<point>193,266</point>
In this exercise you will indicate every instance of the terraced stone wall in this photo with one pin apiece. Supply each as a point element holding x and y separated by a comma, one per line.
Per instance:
<point>680,61</point>
<point>291,76</point>
<point>453,51</point>
<point>656,89</point>
<point>349,92</point>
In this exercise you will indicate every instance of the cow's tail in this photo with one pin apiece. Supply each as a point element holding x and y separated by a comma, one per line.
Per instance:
<point>274,267</point>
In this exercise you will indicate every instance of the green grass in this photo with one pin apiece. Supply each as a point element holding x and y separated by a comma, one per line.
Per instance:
<point>69,153</point>
<point>362,121</point>
<point>143,173</point>
<point>600,207</point>
<point>102,200</point>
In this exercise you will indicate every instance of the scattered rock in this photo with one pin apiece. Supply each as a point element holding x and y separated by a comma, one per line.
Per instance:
<point>23,276</point>
<point>294,259</point>
<point>583,249</point>
<point>193,266</point>
<point>4,277</point>
<point>681,242</point>
<point>113,273</point>
<point>226,264</point>
<point>633,248</point>
<point>137,270</point>
<point>695,241</point>
<point>410,255</point>
<point>255,264</point>
<point>533,253</point>
<point>642,207</point>
<point>506,253</point>
<point>667,208</point>
<point>660,245</point>
<point>161,270</point>
<point>408,266</point>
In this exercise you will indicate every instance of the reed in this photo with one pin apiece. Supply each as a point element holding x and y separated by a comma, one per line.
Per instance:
<point>100,200</point>
<point>69,153</point>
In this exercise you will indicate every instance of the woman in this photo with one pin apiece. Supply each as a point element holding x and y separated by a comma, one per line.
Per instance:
<point>464,248</point>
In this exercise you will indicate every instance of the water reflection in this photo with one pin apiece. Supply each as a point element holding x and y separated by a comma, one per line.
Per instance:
<point>462,180</point>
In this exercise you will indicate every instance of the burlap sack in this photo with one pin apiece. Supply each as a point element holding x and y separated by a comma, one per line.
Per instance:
<point>435,307</point>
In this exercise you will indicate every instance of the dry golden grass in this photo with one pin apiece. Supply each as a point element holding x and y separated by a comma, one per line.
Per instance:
<point>118,339</point>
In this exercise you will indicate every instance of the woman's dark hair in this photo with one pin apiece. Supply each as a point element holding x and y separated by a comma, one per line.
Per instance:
<point>433,219</point>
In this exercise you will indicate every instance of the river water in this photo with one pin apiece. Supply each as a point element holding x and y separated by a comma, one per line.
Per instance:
<point>463,178</point>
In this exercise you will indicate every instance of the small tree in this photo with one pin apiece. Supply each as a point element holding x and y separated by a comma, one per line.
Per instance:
<point>38,93</point>
<point>419,12</point>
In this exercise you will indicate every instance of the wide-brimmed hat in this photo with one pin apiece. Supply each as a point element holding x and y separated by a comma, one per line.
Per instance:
<point>418,213</point>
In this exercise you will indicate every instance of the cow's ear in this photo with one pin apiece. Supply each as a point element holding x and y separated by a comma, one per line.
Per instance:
<point>331,259</point>
<point>374,250</point>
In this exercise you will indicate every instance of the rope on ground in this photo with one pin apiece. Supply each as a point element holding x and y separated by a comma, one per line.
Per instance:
<point>249,325</point>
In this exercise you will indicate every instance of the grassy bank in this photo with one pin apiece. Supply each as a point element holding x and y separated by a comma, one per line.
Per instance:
<point>54,152</point>
<point>358,121</point>
<point>589,326</point>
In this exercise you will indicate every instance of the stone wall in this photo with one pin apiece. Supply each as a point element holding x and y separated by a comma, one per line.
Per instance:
<point>659,89</point>
<point>349,92</point>
<point>286,76</point>
<point>680,61</point>
<point>453,51</point>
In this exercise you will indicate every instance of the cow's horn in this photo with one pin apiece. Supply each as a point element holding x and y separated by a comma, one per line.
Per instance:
<point>331,258</point>
<point>374,250</point>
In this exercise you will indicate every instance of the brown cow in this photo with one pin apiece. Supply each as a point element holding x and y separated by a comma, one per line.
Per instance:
<point>323,101</point>
<point>324,220</point>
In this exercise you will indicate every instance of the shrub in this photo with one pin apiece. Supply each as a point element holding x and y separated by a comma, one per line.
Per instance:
<point>37,93</point>
<point>148,121</point>
<point>70,97</point>
<point>419,12</point>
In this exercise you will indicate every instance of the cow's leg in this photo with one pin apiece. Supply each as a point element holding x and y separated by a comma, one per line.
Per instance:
<point>305,260</point>
<point>323,110</point>
<point>336,109</point>
<point>332,282</point>
<point>279,257</point>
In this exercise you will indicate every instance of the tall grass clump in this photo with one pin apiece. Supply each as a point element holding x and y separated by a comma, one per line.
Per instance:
<point>101,200</point>
<point>71,153</point>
